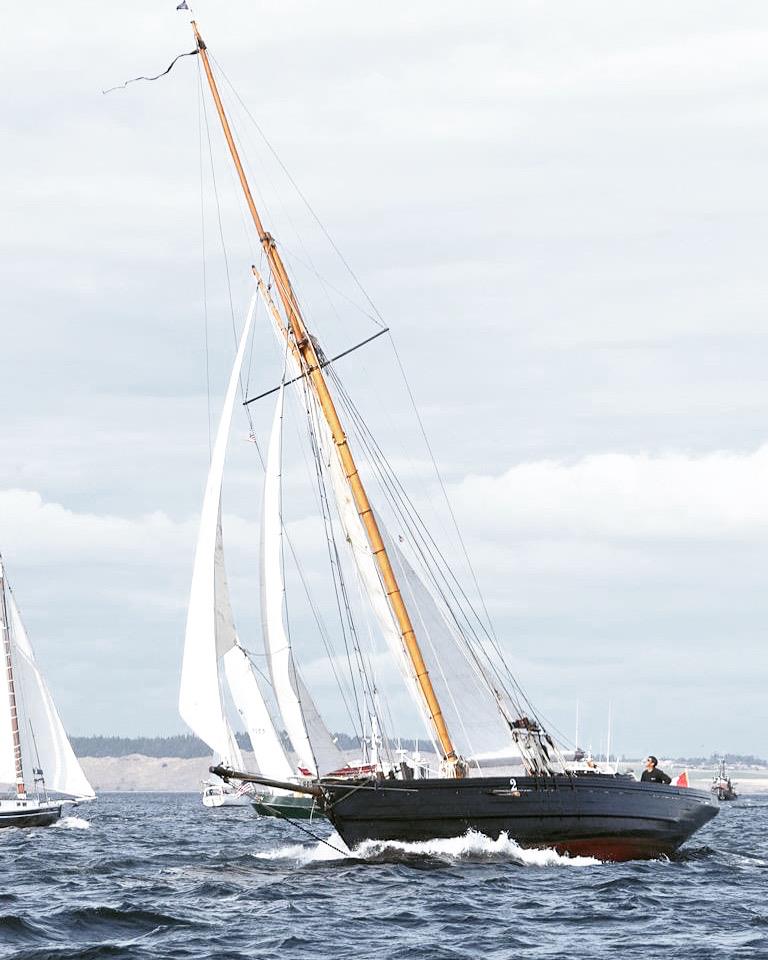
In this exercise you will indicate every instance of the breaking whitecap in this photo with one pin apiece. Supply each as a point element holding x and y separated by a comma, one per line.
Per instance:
<point>470,846</point>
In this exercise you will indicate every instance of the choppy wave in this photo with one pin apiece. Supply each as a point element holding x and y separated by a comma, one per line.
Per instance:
<point>72,823</point>
<point>149,876</point>
<point>471,846</point>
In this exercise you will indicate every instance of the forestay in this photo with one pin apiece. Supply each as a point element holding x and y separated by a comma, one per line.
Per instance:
<point>210,629</point>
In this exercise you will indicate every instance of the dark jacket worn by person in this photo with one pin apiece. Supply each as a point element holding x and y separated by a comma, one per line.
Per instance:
<point>655,776</point>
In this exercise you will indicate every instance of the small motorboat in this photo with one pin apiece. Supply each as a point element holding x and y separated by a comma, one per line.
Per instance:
<point>722,787</point>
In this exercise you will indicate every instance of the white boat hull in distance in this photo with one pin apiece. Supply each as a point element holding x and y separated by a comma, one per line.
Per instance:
<point>29,813</point>
<point>221,795</point>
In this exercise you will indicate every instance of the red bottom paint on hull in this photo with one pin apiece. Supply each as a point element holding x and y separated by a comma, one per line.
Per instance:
<point>614,850</point>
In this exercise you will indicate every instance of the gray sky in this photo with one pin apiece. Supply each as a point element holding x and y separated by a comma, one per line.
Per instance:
<point>561,213</point>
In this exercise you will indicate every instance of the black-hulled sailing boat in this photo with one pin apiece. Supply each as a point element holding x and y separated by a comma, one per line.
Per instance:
<point>481,725</point>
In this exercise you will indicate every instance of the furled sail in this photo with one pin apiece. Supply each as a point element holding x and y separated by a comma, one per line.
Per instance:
<point>271,759</point>
<point>45,744</point>
<point>210,629</point>
<point>308,734</point>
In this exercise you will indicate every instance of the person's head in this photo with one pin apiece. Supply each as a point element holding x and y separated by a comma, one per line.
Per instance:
<point>651,763</point>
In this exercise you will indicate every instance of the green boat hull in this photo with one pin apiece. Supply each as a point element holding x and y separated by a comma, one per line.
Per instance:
<point>294,808</point>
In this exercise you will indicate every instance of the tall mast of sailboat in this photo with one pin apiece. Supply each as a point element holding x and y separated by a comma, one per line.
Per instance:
<point>301,343</point>
<point>21,789</point>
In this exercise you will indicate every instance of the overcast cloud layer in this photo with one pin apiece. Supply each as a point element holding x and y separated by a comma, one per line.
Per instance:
<point>561,213</point>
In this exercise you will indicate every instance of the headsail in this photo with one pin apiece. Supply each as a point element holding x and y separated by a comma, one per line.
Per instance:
<point>309,736</point>
<point>271,759</point>
<point>210,628</point>
<point>45,744</point>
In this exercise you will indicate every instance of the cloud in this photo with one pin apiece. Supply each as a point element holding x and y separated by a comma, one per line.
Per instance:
<point>561,215</point>
<point>623,496</point>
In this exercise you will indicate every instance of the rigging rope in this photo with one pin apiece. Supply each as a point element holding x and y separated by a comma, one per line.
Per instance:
<point>378,317</point>
<point>293,823</point>
<point>200,109</point>
<point>122,86</point>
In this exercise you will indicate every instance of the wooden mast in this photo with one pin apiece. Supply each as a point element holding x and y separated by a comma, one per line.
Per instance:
<point>305,352</point>
<point>21,790</point>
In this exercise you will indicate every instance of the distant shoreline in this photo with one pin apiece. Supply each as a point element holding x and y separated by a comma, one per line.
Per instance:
<point>138,773</point>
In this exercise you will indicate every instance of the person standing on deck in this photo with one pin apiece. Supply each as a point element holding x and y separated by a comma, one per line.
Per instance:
<point>652,773</point>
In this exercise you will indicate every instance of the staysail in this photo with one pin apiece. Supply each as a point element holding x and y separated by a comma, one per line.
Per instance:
<point>210,632</point>
<point>271,758</point>
<point>308,734</point>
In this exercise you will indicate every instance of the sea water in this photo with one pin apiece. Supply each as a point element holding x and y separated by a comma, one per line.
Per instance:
<point>160,876</point>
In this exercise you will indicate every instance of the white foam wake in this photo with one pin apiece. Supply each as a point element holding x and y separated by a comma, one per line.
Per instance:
<point>333,849</point>
<point>73,823</point>
<point>470,846</point>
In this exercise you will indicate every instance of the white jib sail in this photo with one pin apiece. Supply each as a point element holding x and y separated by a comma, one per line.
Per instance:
<point>308,734</point>
<point>210,630</point>
<point>271,759</point>
<point>44,741</point>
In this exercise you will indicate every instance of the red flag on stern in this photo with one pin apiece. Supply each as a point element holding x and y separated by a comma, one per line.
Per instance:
<point>682,780</point>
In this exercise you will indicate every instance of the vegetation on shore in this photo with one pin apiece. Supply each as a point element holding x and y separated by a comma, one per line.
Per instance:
<point>183,745</point>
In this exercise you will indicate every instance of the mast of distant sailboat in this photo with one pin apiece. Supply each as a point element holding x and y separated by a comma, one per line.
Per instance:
<point>21,790</point>
<point>306,355</point>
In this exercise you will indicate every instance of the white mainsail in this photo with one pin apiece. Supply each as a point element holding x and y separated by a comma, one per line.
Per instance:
<point>7,753</point>
<point>308,733</point>
<point>44,742</point>
<point>271,758</point>
<point>463,688</point>
<point>365,562</point>
<point>210,632</point>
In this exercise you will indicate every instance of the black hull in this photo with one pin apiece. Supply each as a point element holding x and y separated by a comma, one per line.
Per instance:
<point>608,817</point>
<point>34,818</point>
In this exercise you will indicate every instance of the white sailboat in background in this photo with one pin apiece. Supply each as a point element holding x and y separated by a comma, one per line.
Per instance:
<point>36,757</point>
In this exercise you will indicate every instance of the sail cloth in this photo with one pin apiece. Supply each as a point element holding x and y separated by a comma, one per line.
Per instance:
<point>355,535</point>
<point>463,689</point>
<point>308,733</point>
<point>271,759</point>
<point>44,742</point>
<point>7,762</point>
<point>210,629</point>
<point>365,564</point>
<point>462,684</point>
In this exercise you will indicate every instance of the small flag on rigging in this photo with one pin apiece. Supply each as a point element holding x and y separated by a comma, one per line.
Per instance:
<point>183,5</point>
